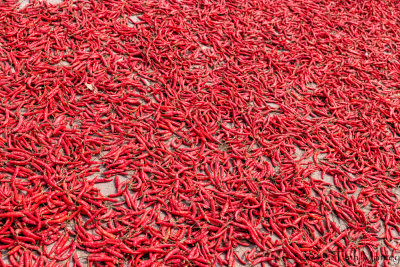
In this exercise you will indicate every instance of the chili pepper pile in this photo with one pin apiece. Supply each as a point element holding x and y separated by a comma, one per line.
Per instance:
<point>229,132</point>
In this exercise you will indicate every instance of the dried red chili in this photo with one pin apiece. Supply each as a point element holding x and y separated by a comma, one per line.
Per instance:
<point>222,125</point>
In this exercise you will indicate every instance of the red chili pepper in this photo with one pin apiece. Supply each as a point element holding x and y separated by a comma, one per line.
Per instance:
<point>217,130</point>
<point>15,214</point>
